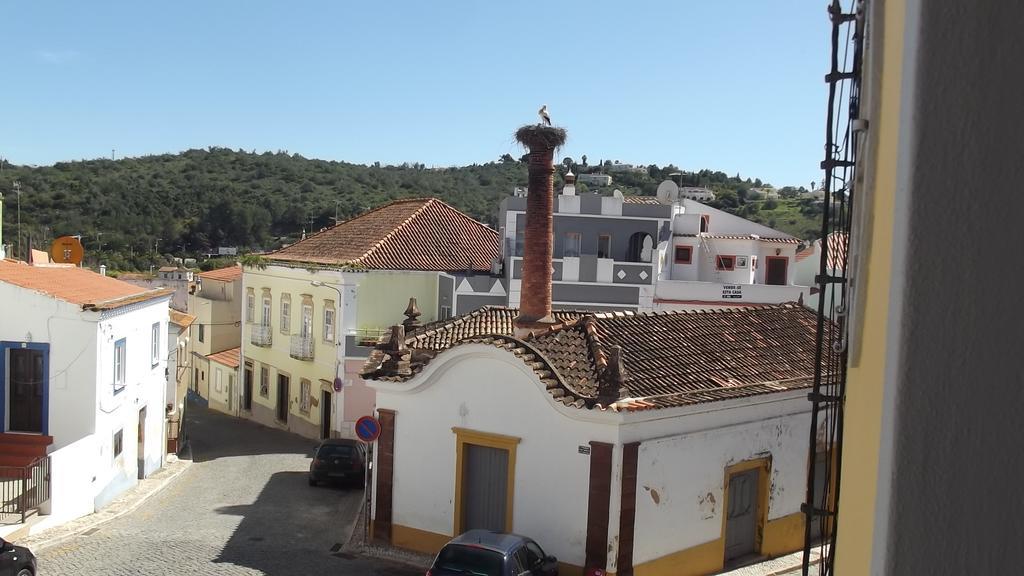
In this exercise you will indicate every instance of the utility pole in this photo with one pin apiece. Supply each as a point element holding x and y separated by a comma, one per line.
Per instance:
<point>17,190</point>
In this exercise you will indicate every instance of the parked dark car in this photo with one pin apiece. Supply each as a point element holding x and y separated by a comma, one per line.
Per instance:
<point>489,553</point>
<point>338,460</point>
<point>16,560</point>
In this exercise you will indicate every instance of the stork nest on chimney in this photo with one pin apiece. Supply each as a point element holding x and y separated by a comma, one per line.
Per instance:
<point>541,137</point>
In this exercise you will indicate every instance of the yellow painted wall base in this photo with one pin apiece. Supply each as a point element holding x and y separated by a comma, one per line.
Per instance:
<point>418,540</point>
<point>783,535</point>
<point>702,559</point>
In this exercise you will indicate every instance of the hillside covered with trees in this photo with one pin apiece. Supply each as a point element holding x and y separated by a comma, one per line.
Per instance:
<point>135,212</point>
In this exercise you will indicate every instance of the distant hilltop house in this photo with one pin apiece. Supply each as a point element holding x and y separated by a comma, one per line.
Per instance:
<point>621,167</point>
<point>697,193</point>
<point>818,194</point>
<point>177,273</point>
<point>595,179</point>
<point>767,193</point>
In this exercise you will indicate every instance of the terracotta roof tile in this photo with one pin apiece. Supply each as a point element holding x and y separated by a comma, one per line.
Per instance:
<point>226,274</point>
<point>667,359</point>
<point>181,318</point>
<point>228,357</point>
<point>76,285</point>
<point>412,234</point>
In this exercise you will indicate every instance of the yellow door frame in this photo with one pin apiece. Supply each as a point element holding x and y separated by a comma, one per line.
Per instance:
<point>764,465</point>
<point>464,436</point>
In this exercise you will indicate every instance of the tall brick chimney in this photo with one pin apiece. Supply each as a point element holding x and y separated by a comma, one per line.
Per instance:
<point>535,301</point>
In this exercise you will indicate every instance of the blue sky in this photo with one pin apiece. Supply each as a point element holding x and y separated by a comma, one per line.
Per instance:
<point>733,85</point>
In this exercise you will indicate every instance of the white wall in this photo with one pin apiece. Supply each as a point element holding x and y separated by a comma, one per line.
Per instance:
<point>71,483</point>
<point>722,222</point>
<point>488,390</point>
<point>71,334</point>
<point>145,387</point>
<point>680,480</point>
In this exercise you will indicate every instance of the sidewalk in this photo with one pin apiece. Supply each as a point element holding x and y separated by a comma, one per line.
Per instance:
<point>790,564</point>
<point>356,544</point>
<point>123,504</point>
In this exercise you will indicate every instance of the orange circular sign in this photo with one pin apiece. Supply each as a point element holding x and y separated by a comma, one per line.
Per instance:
<point>67,250</point>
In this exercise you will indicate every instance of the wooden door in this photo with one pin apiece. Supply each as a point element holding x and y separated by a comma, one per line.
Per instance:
<point>26,390</point>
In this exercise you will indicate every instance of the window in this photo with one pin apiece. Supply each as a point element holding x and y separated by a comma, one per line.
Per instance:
<point>684,254</point>
<point>520,235</point>
<point>250,306</point>
<point>264,382</point>
<point>304,397</point>
<point>604,246</point>
<point>571,249</point>
<point>286,312</point>
<point>202,332</point>
<point>119,367</point>
<point>725,262</point>
<point>266,309</point>
<point>118,443</point>
<point>307,320</point>
<point>155,345</point>
<point>446,312</point>
<point>328,321</point>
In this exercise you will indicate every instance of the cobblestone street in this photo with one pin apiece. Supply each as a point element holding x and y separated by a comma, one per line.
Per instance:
<point>243,507</point>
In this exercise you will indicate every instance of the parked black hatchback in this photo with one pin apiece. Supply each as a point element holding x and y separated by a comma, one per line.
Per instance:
<point>16,560</point>
<point>488,553</point>
<point>338,460</point>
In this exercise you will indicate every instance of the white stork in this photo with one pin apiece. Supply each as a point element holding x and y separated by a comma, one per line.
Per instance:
<point>543,112</point>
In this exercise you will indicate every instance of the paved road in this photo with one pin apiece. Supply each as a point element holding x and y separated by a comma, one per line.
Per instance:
<point>243,507</point>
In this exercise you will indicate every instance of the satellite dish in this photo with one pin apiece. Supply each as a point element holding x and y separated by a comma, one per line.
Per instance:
<point>668,192</point>
<point>67,250</point>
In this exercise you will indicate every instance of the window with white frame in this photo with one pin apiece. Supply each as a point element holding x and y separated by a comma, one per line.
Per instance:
<point>286,313</point>
<point>155,345</point>
<point>446,312</point>
<point>328,321</point>
<point>304,396</point>
<point>307,320</point>
<point>250,306</point>
<point>264,382</point>
<point>266,309</point>
<point>119,365</point>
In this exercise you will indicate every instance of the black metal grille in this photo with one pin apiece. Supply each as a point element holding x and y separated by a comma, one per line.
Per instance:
<point>24,488</point>
<point>821,508</point>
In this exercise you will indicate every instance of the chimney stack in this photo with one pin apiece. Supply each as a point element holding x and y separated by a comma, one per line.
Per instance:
<point>535,303</point>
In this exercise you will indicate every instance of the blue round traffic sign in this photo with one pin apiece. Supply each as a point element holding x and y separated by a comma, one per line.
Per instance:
<point>367,428</point>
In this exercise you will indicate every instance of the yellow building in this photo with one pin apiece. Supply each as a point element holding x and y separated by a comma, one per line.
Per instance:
<point>931,444</point>
<point>315,309</point>
<point>216,302</point>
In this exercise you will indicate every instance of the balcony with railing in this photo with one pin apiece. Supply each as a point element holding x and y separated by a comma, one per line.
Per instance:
<point>302,347</point>
<point>261,335</point>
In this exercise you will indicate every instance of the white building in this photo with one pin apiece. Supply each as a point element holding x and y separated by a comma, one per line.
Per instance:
<point>595,179</point>
<point>716,259</point>
<point>697,193</point>
<point>670,443</point>
<point>83,360</point>
<point>808,265</point>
